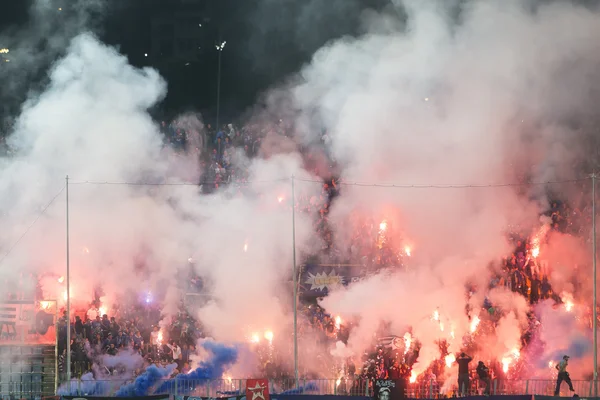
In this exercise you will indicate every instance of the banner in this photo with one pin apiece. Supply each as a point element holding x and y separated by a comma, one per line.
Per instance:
<point>17,313</point>
<point>157,397</point>
<point>257,389</point>
<point>318,279</point>
<point>388,389</point>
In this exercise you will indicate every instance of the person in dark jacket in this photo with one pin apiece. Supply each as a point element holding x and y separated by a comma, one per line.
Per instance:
<point>463,361</point>
<point>483,372</point>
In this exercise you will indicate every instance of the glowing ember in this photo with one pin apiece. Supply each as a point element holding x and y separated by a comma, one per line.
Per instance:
<point>338,322</point>
<point>567,301</point>
<point>452,334</point>
<point>254,338</point>
<point>383,226</point>
<point>512,356</point>
<point>436,315</point>
<point>506,364</point>
<point>450,358</point>
<point>413,377</point>
<point>245,247</point>
<point>280,199</point>
<point>475,323</point>
<point>61,279</point>
<point>407,251</point>
<point>269,336</point>
<point>442,326</point>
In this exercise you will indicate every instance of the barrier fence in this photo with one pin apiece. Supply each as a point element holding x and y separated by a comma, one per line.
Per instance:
<point>340,387</point>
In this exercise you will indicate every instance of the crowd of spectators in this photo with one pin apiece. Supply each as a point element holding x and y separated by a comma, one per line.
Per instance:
<point>135,333</point>
<point>136,330</point>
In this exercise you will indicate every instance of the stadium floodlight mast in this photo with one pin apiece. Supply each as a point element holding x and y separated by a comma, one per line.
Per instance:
<point>219,46</point>
<point>68,285</point>
<point>594,283</point>
<point>295,282</point>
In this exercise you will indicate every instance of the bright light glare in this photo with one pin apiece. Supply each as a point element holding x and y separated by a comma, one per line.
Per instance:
<point>269,336</point>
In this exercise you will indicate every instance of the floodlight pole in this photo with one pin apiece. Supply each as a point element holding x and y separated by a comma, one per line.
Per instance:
<point>594,283</point>
<point>68,287</point>
<point>295,281</point>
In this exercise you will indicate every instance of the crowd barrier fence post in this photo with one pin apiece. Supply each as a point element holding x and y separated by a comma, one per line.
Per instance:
<point>527,387</point>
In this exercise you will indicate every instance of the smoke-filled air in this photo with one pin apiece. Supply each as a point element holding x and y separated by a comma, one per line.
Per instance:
<point>430,176</point>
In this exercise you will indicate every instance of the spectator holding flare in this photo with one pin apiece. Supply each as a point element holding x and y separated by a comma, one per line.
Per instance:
<point>563,375</point>
<point>463,361</point>
<point>483,373</point>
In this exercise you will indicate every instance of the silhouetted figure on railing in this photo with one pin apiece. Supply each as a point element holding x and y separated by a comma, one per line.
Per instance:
<point>483,373</point>
<point>463,361</point>
<point>563,375</point>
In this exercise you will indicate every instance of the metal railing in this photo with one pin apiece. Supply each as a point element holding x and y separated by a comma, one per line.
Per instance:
<point>342,387</point>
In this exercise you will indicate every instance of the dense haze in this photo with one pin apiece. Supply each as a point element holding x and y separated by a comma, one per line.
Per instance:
<point>481,95</point>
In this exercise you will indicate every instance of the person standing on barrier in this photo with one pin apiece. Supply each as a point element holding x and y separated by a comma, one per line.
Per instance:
<point>463,361</point>
<point>563,375</point>
<point>483,373</point>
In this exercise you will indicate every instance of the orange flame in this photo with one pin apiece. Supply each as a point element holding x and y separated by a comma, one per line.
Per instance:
<point>413,377</point>
<point>450,358</point>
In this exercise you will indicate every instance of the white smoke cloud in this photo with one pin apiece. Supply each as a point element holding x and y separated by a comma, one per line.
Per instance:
<point>476,96</point>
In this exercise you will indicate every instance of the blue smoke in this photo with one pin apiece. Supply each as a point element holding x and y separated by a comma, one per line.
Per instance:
<point>143,384</point>
<point>222,357</point>
<point>309,387</point>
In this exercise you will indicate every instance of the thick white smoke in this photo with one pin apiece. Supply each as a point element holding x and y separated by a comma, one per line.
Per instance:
<point>480,95</point>
<point>91,123</point>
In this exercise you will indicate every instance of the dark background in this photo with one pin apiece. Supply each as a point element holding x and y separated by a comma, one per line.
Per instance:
<point>267,41</point>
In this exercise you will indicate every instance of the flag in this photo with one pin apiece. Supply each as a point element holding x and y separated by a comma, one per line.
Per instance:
<point>392,342</point>
<point>388,389</point>
<point>257,389</point>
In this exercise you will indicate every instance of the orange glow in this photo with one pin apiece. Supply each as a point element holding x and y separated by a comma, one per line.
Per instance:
<point>383,226</point>
<point>413,377</point>
<point>254,338</point>
<point>407,251</point>
<point>61,279</point>
<point>450,358</point>
<point>338,322</point>
<point>280,199</point>
<point>159,339</point>
<point>44,305</point>
<point>535,252</point>
<point>269,336</point>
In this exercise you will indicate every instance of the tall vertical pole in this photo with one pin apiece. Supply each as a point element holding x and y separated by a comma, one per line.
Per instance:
<point>594,282</point>
<point>68,289</point>
<point>295,282</point>
<point>220,49</point>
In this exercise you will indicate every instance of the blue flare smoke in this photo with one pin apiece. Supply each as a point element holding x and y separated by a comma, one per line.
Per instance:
<point>309,387</point>
<point>144,383</point>
<point>222,357</point>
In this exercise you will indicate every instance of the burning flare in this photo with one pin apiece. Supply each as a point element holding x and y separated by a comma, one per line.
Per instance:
<point>254,338</point>
<point>269,336</point>
<point>338,322</point>
<point>475,323</point>
<point>449,359</point>
<point>407,342</point>
<point>413,377</point>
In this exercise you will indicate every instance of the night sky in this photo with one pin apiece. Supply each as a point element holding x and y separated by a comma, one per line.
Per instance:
<point>267,41</point>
